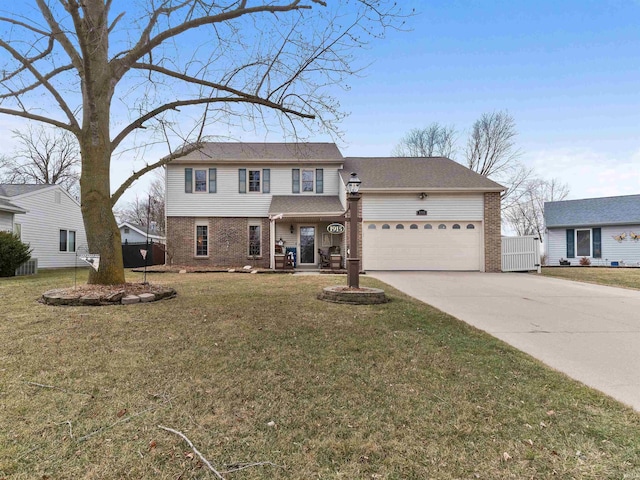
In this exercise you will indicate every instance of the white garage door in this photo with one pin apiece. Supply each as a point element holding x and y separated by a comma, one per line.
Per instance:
<point>421,245</point>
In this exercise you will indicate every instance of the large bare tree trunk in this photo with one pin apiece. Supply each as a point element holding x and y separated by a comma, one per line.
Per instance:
<point>103,235</point>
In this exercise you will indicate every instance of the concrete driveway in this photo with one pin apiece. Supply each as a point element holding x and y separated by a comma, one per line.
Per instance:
<point>589,332</point>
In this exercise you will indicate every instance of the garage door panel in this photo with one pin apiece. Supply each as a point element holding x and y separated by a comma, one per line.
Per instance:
<point>422,249</point>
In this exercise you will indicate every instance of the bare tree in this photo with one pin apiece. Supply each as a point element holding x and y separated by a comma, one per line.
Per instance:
<point>491,151</point>
<point>148,208</point>
<point>70,63</point>
<point>526,216</point>
<point>434,140</point>
<point>43,156</point>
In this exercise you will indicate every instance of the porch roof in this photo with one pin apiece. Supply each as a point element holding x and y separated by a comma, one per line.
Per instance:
<point>7,206</point>
<point>306,206</point>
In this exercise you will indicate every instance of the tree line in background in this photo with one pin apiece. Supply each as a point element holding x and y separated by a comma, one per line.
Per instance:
<point>490,150</point>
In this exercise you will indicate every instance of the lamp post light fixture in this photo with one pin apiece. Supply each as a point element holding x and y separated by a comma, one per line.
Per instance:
<point>353,262</point>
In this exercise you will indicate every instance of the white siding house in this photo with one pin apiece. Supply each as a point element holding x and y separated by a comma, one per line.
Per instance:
<point>135,233</point>
<point>52,224</point>
<point>605,231</point>
<point>233,204</point>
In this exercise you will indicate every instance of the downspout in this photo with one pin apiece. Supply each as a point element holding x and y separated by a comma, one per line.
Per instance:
<point>272,239</point>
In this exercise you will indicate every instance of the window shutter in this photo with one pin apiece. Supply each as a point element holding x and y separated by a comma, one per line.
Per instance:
<point>319,180</point>
<point>266,180</point>
<point>213,180</point>
<point>188,180</point>
<point>597,243</point>
<point>571,237</point>
<point>242,179</point>
<point>295,180</point>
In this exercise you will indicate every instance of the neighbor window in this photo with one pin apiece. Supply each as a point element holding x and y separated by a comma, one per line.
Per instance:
<point>471,226</point>
<point>295,180</point>
<point>456,226</point>
<point>583,243</point>
<point>254,241</point>
<point>201,180</point>
<point>413,226</point>
<point>442,226</point>
<point>386,226</point>
<point>399,227</point>
<point>17,230</point>
<point>67,241</point>
<point>126,230</point>
<point>428,226</point>
<point>202,240</point>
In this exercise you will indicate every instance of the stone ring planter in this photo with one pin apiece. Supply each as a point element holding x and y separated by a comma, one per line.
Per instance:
<point>353,296</point>
<point>71,297</point>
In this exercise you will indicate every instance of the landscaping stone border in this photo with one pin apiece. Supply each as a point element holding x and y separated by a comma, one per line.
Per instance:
<point>60,297</point>
<point>353,296</point>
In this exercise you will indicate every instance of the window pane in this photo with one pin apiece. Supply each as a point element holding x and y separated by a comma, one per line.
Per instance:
<point>428,226</point>
<point>307,180</point>
<point>63,240</point>
<point>266,180</point>
<point>470,226</point>
<point>456,226</point>
<point>202,240</point>
<point>201,180</point>
<point>72,241</point>
<point>254,180</point>
<point>386,226</point>
<point>413,226</point>
<point>254,240</point>
<point>399,227</point>
<point>442,226</point>
<point>584,243</point>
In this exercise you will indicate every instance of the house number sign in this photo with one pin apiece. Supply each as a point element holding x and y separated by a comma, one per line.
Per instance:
<point>335,228</point>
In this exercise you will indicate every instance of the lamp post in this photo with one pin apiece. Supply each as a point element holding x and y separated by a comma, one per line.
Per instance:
<point>353,262</point>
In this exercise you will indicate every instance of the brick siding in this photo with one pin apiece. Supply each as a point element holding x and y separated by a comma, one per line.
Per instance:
<point>492,233</point>
<point>228,242</point>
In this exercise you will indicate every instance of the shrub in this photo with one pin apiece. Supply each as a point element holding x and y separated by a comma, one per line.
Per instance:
<point>13,253</point>
<point>585,262</point>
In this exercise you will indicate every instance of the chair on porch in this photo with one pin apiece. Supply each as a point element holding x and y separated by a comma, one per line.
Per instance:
<point>324,259</point>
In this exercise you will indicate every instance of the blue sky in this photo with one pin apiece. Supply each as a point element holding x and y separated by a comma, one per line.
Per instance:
<point>568,72</point>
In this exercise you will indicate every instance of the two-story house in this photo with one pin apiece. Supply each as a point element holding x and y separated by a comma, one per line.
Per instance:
<point>232,204</point>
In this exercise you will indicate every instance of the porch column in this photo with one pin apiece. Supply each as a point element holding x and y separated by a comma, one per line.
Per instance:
<point>272,243</point>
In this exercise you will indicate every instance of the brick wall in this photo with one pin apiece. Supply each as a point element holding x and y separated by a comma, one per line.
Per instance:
<point>492,233</point>
<point>228,242</point>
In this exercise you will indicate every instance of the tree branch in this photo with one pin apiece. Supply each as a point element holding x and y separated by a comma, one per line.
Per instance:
<point>50,121</point>
<point>59,35</point>
<point>252,99</point>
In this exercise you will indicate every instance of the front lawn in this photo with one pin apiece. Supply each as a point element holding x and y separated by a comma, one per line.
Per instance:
<point>612,276</point>
<point>252,368</point>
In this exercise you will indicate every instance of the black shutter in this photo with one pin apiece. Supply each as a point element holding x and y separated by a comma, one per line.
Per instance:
<point>242,180</point>
<point>266,180</point>
<point>319,180</point>
<point>295,180</point>
<point>213,180</point>
<point>188,180</point>
<point>597,243</point>
<point>571,238</point>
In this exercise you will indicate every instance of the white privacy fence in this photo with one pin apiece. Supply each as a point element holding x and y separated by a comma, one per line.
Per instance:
<point>520,254</point>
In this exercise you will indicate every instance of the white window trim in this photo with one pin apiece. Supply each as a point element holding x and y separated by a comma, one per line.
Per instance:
<point>201,223</point>
<point>575,242</point>
<point>254,223</point>
<point>206,181</point>
<point>313,180</point>
<point>259,170</point>
<point>75,236</point>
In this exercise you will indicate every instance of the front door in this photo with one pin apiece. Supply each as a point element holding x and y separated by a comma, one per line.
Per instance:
<point>307,245</point>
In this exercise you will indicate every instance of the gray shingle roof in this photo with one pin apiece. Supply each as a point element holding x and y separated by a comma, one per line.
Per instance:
<point>593,211</point>
<point>306,204</point>
<point>422,173</point>
<point>244,152</point>
<point>12,190</point>
<point>7,206</point>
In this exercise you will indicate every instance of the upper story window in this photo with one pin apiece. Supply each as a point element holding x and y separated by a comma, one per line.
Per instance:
<point>127,230</point>
<point>199,180</point>
<point>259,180</point>
<point>307,180</point>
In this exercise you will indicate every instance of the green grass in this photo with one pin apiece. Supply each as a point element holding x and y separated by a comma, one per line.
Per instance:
<point>394,391</point>
<point>612,276</point>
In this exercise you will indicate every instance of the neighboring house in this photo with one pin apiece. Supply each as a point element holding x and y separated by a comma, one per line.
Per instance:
<point>51,222</point>
<point>7,215</point>
<point>232,204</point>
<point>604,230</point>
<point>135,233</point>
